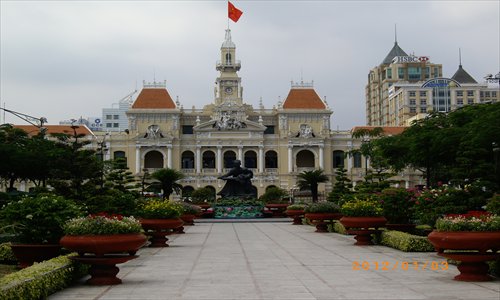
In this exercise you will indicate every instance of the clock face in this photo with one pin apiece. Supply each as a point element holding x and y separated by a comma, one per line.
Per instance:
<point>229,90</point>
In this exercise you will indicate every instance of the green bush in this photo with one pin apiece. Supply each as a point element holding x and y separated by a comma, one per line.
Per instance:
<point>405,241</point>
<point>322,207</point>
<point>202,195</point>
<point>361,208</point>
<point>6,254</point>
<point>296,207</point>
<point>160,209</point>
<point>190,209</point>
<point>397,204</point>
<point>493,205</point>
<point>337,227</point>
<point>113,202</point>
<point>274,195</point>
<point>39,219</point>
<point>41,279</point>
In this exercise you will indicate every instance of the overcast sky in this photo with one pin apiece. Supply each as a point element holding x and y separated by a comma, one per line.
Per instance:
<point>66,59</point>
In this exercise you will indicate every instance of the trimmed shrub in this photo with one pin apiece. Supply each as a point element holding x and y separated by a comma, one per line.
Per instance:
<point>41,279</point>
<point>6,254</point>
<point>405,241</point>
<point>337,227</point>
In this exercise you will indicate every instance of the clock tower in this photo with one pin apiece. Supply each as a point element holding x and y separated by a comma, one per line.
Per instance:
<point>228,89</point>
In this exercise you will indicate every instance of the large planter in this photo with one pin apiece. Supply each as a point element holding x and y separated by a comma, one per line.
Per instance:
<point>321,220</point>
<point>362,228</point>
<point>472,265</point>
<point>296,215</point>
<point>27,254</point>
<point>276,210</point>
<point>106,251</point>
<point>104,244</point>
<point>158,229</point>
<point>188,220</point>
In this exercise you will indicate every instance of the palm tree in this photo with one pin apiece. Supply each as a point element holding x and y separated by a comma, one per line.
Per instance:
<point>309,180</point>
<point>167,181</point>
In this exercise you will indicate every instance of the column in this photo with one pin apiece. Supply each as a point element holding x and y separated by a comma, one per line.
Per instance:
<point>169,156</point>
<point>219,159</point>
<point>349,163</point>
<point>198,159</point>
<point>240,154</point>
<point>107,152</point>
<point>321,157</point>
<point>290,159</point>
<point>138,159</point>
<point>261,159</point>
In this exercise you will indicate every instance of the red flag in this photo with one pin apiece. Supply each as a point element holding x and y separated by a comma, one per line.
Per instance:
<point>232,12</point>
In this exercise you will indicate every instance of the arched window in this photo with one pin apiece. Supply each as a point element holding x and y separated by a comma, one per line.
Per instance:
<point>229,158</point>
<point>269,187</point>
<point>338,159</point>
<point>187,160</point>
<point>271,160</point>
<point>251,159</point>
<point>357,159</point>
<point>305,159</point>
<point>208,160</point>
<point>228,58</point>
<point>153,160</point>
<point>186,191</point>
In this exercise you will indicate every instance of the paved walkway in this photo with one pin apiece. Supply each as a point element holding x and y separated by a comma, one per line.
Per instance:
<point>278,261</point>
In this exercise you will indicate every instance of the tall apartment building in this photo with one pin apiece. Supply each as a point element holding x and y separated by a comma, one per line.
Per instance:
<point>404,88</point>
<point>397,67</point>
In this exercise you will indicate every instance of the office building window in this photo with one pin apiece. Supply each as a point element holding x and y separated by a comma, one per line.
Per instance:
<point>413,110</point>
<point>357,160</point>
<point>109,125</point>
<point>423,102</point>
<point>187,129</point>
<point>388,73</point>
<point>460,101</point>
<point>116,117</point>
<point>401,73</point>
<point>423,109</point>
<point>412,93</point>
<point>116,125</point>
<point>269,129</point>
<point>414,73</point>
<point>470,93</point>
<point>460,93</point>
<point>470,101</point>
<point>423,94</point>
<point>109,117</point>
<point>413,102</point>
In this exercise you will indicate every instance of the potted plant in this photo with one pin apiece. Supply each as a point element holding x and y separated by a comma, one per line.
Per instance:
<point>296,211</point>
<point>203,197</point>
<point>276,202</point>
<point>189,213</point>
<point>160,218</point>
<point>320,213</point>
<point>37,226</point>
<point>103,241</point>
<point>398,206</point>
<point>362,218</point>
<point>474,238</point>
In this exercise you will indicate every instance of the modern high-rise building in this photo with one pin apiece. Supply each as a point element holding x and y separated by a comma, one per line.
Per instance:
<point>397,67</point>
<point>404,88</point>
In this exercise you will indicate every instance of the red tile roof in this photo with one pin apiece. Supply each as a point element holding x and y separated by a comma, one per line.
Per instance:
<point>153,98</point>
<point>388,130</point>
<point>303,99</point>
<point>33,130</point>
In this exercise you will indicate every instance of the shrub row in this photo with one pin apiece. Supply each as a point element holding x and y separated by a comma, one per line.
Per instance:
<point>405,242</point>
<point>41,279</point>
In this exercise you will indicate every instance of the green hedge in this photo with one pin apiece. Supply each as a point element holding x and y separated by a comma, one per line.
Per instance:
<point>405,241</point>
<point>41,279</point>
<point>337,227</point>
<point>6,254</point>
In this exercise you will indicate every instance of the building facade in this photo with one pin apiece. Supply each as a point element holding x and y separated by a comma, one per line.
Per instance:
<point>275,143</point>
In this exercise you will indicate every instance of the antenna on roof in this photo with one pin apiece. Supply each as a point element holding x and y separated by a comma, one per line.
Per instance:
<point>460,57</point>
<point>395,33</point>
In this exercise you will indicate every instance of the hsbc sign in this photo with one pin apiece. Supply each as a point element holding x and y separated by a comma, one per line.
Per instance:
<point>410,59</point>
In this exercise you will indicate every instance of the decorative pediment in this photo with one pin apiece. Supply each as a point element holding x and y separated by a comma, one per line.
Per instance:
<point>229,125</point>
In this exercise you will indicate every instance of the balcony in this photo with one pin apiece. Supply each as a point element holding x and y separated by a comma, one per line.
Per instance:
<point>220,66</point>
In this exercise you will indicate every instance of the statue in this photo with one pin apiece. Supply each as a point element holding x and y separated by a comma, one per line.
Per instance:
<point>238,183</point>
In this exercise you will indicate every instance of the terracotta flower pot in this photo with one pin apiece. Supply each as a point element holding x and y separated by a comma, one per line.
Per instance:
<point>296,215</point>
<point>159,229</point>
<point>321,220</point>
<point>472,265</point>
<point>363,228</point>
<point>188,219</point>
<point>104,244</point>
<point>277,209</point>
<point>27,254</point>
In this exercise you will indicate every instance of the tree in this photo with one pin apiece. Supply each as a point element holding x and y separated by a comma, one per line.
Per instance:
<point>309,180</point>
<point>167,181</point>
<point>341,188</point>
<point>13,142</point>
<point>118,177</point>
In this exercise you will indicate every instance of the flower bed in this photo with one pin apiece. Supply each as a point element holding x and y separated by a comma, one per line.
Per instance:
<point>238,212</point>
